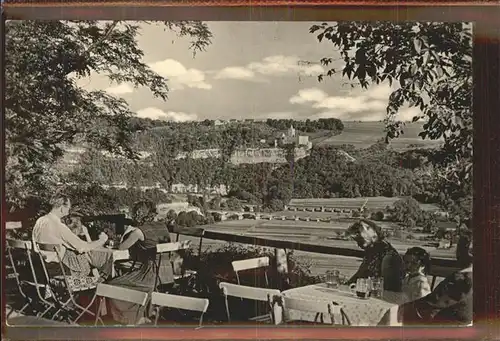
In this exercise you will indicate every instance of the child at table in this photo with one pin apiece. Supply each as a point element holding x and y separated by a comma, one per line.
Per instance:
<point>417,264</point>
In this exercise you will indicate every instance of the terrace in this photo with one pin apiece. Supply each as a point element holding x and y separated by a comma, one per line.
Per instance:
<point>284,272</point>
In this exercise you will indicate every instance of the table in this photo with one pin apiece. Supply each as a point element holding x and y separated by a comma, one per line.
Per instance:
<point>117,255</point>
<point>361,312</point>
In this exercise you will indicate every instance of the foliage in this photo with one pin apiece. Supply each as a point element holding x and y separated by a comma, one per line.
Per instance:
<point>310,126</point>
<point>218,260</point>
<point>46,108</point>
<point>431,63</point>
<point>378,216</point>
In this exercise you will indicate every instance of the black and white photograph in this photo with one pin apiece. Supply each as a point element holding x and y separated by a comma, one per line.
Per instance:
<point>226,173</point>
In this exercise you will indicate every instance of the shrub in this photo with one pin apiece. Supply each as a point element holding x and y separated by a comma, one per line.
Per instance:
<point>378,216</point>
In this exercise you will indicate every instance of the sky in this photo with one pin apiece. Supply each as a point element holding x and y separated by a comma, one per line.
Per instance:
<point>251,70</point>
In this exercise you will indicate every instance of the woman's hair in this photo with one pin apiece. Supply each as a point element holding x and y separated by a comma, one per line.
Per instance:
<point>358,226</point>
<point>423,257</point>
<point>463,254</point>
<point>143,211</point>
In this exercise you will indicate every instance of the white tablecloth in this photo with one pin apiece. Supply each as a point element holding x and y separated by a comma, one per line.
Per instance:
<point>361,312</point>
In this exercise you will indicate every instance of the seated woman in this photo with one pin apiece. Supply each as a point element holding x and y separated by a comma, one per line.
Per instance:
<point>380,259</point>
<point>141,241</point>
<point>451,301</point>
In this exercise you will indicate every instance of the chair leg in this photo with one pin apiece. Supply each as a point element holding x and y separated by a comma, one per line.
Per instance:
<point>86,309</point>
<point>50,306</point>
<point>25,306</point>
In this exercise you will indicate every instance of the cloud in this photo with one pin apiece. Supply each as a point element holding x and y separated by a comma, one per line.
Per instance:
<point>158,114</point>
<point>235,72</point>
<point>179,76</point>
<point>365,105</point>
<point>120,89</point>
<point>309,95</point>
<point>277,65</point>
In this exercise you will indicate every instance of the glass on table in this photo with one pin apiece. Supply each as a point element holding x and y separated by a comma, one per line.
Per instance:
<point>361,288</point>
<point>377,287</point>
<point>332,278</point>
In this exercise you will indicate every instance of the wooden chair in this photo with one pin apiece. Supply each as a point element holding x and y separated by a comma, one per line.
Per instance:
<point>160,300</point>
<point>104,291</point>
<point>320,307</point>
<point>26,248</point>
<point>249,293</point>
<point>249,264</point>
<point>67,285</point>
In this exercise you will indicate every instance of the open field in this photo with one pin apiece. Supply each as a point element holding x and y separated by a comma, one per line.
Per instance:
<point>365,134</point>
<point>372,203</point>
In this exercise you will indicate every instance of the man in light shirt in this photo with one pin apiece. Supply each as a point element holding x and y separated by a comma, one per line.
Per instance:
<point>77,255</point>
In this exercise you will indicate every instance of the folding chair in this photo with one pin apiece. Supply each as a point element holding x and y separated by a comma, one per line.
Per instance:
<point>249,293</point>
<point>104,291</point>
<point>26,248</point>
<point>249,264</point>
<point>168,248</point>
<point>67,285</point>
<point>192,231</point>
<point>160,300</point>
<point>320,307</point>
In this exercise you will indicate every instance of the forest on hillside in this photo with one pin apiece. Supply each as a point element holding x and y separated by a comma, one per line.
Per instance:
<point>325,173</point>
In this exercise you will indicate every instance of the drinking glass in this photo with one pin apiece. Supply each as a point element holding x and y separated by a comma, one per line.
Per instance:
<point>332,278</point>
<point>361,288</point>
<point>377,287</point>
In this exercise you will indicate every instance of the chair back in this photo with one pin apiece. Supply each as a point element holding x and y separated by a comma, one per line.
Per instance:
<point>249,264</point>
<point>52,248</point>
<point>246,292</point>
<point>318,306</point>
<point>19,244</point>
<point>172,247</point>
<point>119,293</point>
<point>179,302</point>
<point>122,294</point>
<point>249,293</point>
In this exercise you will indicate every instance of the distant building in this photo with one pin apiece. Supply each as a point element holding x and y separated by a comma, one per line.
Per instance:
<point>291,137</point>
<point>190,188</point>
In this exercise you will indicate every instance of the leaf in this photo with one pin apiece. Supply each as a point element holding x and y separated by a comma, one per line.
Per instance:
<point>426,58</point>
<point>417,44</point>
<point>413,69</point>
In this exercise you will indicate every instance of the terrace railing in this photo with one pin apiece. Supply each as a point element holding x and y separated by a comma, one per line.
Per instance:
<point>440,267</point>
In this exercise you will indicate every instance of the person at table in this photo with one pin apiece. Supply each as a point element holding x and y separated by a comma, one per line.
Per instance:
<point>141,241</point>
<point>380,258</point>
<point>74,221</point>
<point>451,301</point>
<point>78,257</point>
<point>417,265</point>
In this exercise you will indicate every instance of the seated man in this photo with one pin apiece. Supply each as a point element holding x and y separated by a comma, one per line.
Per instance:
<point>77,256</point>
